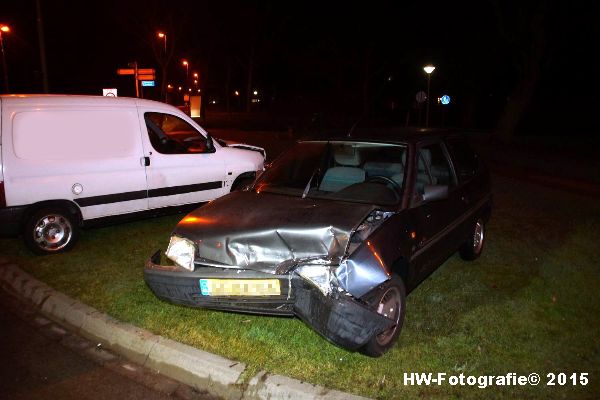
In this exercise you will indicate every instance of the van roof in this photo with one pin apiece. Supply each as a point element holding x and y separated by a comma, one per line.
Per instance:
<point>67,99</point>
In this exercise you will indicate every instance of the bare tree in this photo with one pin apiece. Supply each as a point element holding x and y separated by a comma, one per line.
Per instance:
<point>524,31</point>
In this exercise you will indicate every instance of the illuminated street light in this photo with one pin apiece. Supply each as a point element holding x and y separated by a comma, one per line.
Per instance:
<point>179,88</point>
<point>236,93</point>
<point>162,35</point>
<point>4,29</point>
<point>187,68</point>
<point>196,75</point>
<point>255,92</point>
<point>428,69</point>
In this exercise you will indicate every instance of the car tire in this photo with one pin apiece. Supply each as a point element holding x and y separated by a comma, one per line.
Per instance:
<point>391,293</point>
<point>472,248</point>
<point>51,230</point>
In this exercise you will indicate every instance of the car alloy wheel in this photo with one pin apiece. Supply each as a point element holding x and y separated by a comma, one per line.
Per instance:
<point>473,246</point>
<point>478,236</point>
<point>387,300</point>
<point>389,306</point>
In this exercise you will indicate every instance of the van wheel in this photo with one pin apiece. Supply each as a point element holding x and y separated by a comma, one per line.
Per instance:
<point>51,230</point>
<point>472,248</point>
<point>389,300</point>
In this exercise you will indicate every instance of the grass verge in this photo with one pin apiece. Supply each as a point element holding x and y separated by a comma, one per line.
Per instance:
<point>529,304</point>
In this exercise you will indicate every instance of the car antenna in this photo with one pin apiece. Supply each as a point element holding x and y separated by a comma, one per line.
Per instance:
<point>351,131</point>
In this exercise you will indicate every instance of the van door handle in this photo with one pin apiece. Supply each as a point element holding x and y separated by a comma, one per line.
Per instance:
<point>145,161</point>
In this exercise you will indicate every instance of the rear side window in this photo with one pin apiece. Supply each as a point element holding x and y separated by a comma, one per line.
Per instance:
<point>465,159</point>
<point>77,134</point>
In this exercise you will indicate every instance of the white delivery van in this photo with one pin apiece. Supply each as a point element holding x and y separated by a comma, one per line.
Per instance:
<point>68,162</point>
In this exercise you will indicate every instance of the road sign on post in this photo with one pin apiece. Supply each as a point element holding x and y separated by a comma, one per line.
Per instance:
<point>139,74</point>
<point>109,92</point>
<point>145,77</point>
<point>421,96</point>
<point>125,71</point>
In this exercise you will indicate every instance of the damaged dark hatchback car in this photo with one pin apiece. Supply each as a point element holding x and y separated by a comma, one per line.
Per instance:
<point>335,232</point>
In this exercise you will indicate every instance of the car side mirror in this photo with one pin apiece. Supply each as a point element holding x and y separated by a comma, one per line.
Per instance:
<point>210,145</point>
<point>435,192</point>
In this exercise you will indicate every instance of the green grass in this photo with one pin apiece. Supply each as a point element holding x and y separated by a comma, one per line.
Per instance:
<point>529,304</point>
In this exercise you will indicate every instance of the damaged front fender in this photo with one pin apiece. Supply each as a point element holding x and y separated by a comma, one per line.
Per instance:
<point>338,317</point>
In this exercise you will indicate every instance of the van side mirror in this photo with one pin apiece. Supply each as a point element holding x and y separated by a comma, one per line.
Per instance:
<point>210,145</point>
<point>435,192</point>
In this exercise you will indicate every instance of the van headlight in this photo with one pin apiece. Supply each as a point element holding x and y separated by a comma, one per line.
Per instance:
<point>182,252</point>
<point>318,275</point>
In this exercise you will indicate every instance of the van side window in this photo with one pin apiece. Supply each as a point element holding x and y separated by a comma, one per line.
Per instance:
<point>171,135</point>
<point>465,159</point>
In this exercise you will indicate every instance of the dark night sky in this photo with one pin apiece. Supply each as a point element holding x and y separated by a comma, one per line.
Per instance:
<point>310,56</point>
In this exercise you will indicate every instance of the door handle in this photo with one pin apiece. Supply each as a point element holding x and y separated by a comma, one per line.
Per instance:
<point>145,161</point>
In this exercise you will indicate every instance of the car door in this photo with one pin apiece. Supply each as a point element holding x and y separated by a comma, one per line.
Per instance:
<point>436,235</point>
<point>180,167</point>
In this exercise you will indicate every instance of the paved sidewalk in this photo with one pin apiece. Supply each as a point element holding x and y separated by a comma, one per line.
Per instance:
<point>199,369</point>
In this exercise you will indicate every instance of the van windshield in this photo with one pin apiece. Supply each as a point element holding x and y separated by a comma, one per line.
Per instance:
<point>342,170</point>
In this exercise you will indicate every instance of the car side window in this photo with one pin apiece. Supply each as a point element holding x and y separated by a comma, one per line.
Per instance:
<point>465,160</point>
<point>169,134</point>
<point>433,168</point>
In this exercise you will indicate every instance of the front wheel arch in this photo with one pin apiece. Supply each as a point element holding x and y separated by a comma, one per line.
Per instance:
<point>244,179</point>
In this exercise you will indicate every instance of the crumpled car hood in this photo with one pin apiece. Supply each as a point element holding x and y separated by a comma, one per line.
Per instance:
<point>266,231</point>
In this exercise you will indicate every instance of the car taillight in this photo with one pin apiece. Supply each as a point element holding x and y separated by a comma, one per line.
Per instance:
<point>2,196</point>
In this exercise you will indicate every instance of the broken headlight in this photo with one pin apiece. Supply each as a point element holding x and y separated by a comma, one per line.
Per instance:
<point>364,230</point>
<point>318,275</point>
<point>182,252</point>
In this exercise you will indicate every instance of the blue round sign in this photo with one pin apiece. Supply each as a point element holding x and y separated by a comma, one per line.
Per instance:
<point>445,99</point>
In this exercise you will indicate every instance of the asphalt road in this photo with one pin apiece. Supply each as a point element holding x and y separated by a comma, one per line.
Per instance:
<point>42,360</point>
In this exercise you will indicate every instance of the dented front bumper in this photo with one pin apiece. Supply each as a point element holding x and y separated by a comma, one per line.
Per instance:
<point>337,316</point>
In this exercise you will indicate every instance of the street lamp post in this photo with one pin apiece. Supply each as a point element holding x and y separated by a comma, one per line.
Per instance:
<point>4,29</point>
<point>187,69</point>
<point>164,64</point>
<point>163,36</point>
<point>428,69</point>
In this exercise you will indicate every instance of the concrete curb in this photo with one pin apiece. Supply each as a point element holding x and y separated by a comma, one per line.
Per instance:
<point>197,368</point>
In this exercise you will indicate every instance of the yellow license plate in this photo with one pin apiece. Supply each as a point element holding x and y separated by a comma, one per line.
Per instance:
<point>240,287</point>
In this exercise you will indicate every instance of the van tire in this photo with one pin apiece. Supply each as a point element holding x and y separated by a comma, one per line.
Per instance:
<point>51,230</point>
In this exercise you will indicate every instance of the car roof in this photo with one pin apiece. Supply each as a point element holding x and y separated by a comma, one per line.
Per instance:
<point>390,135</point>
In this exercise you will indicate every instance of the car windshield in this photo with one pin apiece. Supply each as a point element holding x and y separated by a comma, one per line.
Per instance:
<point>343,170</point>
